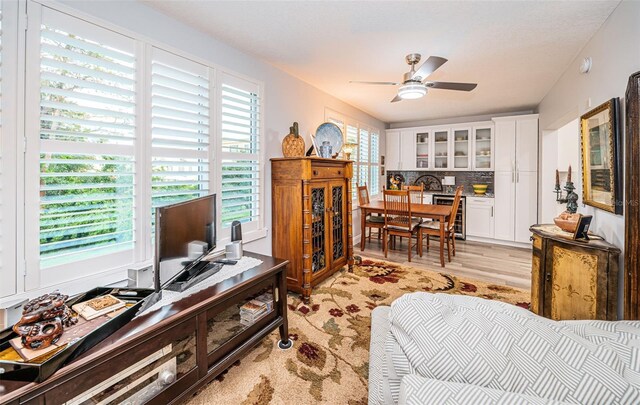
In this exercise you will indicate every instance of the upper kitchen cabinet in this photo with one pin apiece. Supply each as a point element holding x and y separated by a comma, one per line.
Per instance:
<point>483,147</point>
<point>452,147</point>
<point>441,148</point>
<point>423,150</point>
<point>392,158</point>
<point>461,147</point>
<point>402,150</point>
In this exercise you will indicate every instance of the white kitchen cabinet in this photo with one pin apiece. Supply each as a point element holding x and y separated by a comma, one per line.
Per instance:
<point>526,203</point>
<point>392,157</point>
<point>407,150</point>
<point>424,148</point>
<point>516,174</point>
<point>441,148</point>
<point>480,217</point>
<point>461,148</point>
<point>504,202</point>
<point>483,147</point>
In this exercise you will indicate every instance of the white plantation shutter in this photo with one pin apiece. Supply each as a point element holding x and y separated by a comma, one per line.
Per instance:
<point>363,157</point>
<point>179,129</point>
<point>352,137</point>
<point>240,152</point>
<point>375,164</point>
<point>87,136</point>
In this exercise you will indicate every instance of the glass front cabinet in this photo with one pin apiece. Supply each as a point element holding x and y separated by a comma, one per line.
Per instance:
<point>462,147</point>
<point>483,141</point>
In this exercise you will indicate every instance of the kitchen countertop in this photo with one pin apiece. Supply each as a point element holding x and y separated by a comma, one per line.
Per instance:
<point>464,193</point>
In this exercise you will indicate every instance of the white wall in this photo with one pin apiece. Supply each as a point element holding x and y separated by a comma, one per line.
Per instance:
<point>616,55</point>
<point>560,149</point>
<point>456,120</point>
<point>287,99</point>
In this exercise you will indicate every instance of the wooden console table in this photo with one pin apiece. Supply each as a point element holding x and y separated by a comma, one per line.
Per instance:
<point>573,279</point>
<point>190,341</point>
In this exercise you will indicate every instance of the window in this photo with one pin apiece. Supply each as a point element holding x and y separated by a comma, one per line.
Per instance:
<point>366,158</point>
<point>180,147</point>
<point>87,144</point>
<point>114,127</point>
<point>240,152</point>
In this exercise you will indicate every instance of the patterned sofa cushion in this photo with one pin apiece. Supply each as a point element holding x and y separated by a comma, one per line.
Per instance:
<point>499,346</point>
<point>416,390</point>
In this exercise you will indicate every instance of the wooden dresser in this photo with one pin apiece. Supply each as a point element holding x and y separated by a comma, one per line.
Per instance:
<point>311,221</point>
<point>573,279</point>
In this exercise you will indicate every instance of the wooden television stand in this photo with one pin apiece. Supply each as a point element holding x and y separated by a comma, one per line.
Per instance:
<point>165,356</point>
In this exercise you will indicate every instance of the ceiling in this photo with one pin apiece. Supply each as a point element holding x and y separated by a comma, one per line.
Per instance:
<point>514,50</point>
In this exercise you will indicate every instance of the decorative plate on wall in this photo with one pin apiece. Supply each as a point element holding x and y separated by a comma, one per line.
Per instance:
<point>329,132</point>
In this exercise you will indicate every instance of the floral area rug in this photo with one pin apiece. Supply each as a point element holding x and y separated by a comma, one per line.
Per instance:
<point>329,361</point>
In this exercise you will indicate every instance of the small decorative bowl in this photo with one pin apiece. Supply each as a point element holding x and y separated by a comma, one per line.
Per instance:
<point>480,188</point>
<point>567,222</point>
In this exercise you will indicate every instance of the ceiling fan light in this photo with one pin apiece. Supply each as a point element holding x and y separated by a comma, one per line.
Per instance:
<point>411,91</point>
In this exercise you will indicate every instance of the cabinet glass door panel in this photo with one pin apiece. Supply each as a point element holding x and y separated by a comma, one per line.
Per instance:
<point>482,156</point>
<point>318,224</point>
<point>239,316</point>
<point>461,149</point>
<point>338,227</point>
<point>422,150</point>
<point>441,149</point>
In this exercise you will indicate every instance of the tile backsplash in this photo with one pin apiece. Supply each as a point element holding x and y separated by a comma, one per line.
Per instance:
<point>465,178</point>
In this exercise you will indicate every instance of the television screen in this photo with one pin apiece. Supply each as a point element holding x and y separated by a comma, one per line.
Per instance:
<point>185,232</point>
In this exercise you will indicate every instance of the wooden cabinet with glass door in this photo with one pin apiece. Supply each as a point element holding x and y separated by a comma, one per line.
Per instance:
<point>311,221</point>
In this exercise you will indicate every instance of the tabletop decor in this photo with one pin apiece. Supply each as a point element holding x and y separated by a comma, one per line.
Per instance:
<point>328,139</point>
<point>571,198</point>
<point>293,144</point>
<point>601,157</point>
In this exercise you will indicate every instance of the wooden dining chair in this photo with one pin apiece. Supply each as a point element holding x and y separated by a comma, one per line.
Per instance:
<point>432,228</point>
<point>397,219</point>
<point>371,221</point>
<point>417,193</point>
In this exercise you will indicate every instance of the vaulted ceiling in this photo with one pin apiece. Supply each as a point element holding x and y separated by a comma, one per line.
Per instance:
<point>514,50</point>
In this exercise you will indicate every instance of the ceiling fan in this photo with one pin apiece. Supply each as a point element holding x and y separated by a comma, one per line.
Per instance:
<point>414,84</point>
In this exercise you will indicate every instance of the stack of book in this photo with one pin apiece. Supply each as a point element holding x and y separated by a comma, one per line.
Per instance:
<point>255,309</point>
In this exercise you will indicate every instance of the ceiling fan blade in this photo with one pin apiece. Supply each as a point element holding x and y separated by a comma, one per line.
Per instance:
<point>429,66</point>
<point>383,83</point>
<point>396,99</point>
<point>452,86</point>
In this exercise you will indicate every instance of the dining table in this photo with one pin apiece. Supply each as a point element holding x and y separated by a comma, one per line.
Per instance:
<point>440,213</point>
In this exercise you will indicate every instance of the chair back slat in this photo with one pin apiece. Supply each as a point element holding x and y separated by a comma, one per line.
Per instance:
<point>397,208</point>
<point>454,208</point>
<point>363,195</point>
<point>417,193</point>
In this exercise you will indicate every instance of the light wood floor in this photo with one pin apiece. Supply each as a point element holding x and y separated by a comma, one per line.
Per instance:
<point>480,261</point>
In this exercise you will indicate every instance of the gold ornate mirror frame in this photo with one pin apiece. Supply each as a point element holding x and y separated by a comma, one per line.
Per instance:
<point>601,158</point>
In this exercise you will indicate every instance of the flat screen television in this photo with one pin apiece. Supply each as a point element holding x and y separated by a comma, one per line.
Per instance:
<point>185,234</point>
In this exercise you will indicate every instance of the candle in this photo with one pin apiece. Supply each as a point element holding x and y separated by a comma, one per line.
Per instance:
<point>557,179</point>
<point>569,175</point>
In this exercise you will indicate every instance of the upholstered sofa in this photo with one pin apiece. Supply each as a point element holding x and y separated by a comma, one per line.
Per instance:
<point>448,349</point>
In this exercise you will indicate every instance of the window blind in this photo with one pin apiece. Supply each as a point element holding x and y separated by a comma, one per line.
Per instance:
<point>87,134</point>
<point>375,163</point>
<point>179,129</point>
<point>240,151</point>
<point>363,158</point>
<point>352,137</point>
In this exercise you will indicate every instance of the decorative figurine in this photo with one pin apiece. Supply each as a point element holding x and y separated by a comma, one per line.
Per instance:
<point>572,198</point>
<point>43,320</point>
<point>293,144</point>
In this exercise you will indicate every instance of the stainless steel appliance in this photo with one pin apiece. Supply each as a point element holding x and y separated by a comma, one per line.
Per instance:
<point>461,217</point>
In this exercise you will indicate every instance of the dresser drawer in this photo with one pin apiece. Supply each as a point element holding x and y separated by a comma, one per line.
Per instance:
<point>327,172</point>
